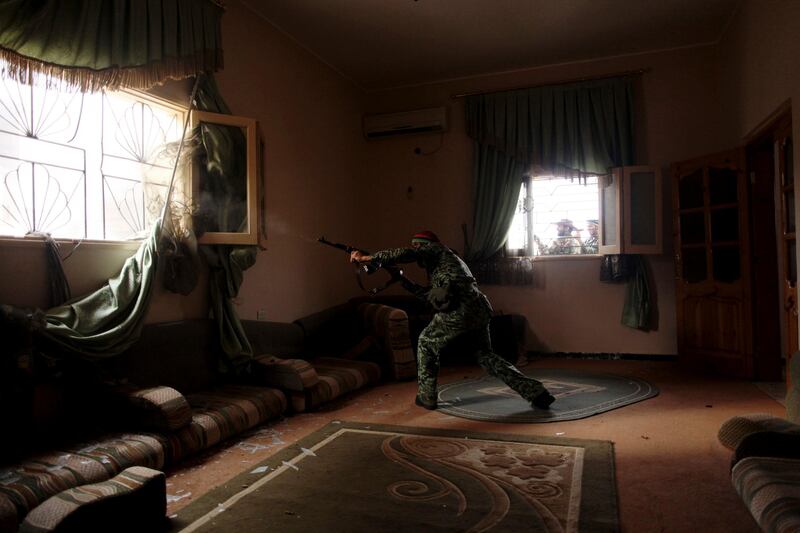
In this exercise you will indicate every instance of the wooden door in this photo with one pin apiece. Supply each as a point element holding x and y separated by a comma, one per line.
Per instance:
<point>787,245</point>
<point>711,236</point>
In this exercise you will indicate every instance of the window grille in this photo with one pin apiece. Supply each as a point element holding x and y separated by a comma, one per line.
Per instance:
<point>84,166</point>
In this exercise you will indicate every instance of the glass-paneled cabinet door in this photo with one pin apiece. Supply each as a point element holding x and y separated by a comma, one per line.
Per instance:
<point>642,214</point>
<point>631,211</point>
<point>224,184</point>
<point>610,197</point>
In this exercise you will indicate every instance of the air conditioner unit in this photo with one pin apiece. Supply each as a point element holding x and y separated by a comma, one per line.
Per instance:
<point>431,120</point>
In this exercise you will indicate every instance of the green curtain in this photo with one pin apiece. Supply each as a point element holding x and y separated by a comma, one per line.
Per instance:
<point>223,190</point>
<point>108,321</point>
<point>226,263</point>
<point>97,44</point>
<point>636,311</point>
<point>581,128</point>
<point>496,181</point>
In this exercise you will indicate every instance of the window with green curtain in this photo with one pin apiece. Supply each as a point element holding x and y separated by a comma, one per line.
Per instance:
<point>566,130</point>
<point>94,45</point>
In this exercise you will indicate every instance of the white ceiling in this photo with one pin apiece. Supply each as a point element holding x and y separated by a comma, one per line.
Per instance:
<point>390,43</point>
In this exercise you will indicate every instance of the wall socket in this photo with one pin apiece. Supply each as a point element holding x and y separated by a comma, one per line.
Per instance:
<point>261,314</point>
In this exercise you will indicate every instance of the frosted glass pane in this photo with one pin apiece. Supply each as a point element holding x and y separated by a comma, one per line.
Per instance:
<point>609,199</point>
<point>643,208</point>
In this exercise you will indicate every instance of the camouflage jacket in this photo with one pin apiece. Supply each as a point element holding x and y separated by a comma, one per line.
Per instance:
<point>445,269</point>
<point>562,246</point>
<point>590,246</point>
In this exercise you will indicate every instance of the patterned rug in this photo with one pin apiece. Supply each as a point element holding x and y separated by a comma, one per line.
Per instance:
<point>352,477</point>
<point>578,395</point>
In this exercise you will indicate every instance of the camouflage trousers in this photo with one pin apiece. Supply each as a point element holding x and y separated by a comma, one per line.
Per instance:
<point>470,318</point>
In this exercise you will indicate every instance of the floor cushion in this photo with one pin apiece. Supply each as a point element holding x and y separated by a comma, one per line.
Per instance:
<point>28,483</point>
<point>133,500</point>
<point>336,377</point>
<point>220,413</point>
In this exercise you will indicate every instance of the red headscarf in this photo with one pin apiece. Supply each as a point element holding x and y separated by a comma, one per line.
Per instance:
<point>425,236</point>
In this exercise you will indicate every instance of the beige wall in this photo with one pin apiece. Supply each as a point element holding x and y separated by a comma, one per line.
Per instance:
<point>568,309</point>
<point>757,60</point>
<point>310,120</point>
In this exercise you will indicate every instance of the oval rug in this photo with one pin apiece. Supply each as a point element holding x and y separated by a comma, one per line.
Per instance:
<point>579,394</point>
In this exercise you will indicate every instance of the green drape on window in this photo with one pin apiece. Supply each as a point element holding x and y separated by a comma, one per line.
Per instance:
<point>574,129</point>
<point>560,130</point>
<point>95,44</point>
<point>496,182</point>
<point>226,263</point>
<point>108,321</point>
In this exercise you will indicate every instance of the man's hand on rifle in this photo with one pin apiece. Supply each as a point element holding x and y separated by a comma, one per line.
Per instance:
<point>359,257</point>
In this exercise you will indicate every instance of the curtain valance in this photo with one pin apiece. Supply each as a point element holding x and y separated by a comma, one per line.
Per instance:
<point>578,128</point>
<point>95,44</point>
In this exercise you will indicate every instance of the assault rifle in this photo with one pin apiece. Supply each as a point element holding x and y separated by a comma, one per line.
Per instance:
<point>395,272</point>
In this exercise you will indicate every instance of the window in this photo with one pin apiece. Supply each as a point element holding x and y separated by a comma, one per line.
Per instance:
<point>555,216</point>
<point>84,166</point>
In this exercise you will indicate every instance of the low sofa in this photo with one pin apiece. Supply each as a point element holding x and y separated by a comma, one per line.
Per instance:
<point>765,466</point>
<point>327,354</point>
<point>165,398</point>
<point>508,331</point>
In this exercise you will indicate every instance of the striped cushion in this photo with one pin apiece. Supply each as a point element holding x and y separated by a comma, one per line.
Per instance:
<point>391,326</point>
<point>336,377</point>
<point>160,408</point>
<point>8,514</point>
<point>737,428</point>
<point>770,488</point>
<point>221,413</point>
<point>29,483</point>
<point>284,374</point>
<point>134,500</point>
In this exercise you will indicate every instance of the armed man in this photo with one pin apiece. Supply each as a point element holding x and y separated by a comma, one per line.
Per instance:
<point>461,309</point>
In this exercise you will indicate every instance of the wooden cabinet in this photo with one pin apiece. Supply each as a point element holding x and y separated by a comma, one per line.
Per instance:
<point>630,211</point>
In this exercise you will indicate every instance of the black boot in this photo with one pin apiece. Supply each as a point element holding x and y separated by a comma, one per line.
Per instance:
<point>543,400</point>
<point>427,405</point>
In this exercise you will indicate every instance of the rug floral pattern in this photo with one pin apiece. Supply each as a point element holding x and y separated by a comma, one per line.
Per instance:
<point>546,478</point>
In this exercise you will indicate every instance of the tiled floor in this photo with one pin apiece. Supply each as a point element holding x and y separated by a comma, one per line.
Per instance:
<point>672,473</point>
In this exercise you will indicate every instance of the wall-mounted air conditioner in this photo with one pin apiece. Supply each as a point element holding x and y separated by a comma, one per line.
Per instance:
<point>431,120</point>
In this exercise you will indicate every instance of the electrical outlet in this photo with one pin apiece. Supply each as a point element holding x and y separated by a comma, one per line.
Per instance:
<point>261,314</point>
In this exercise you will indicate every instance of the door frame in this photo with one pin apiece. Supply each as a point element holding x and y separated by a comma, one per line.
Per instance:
<point>771,126</point>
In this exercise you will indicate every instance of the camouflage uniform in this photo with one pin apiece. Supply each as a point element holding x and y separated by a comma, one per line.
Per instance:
<point>462,309</point>
<point>591,245</point>
<point>562,246</point>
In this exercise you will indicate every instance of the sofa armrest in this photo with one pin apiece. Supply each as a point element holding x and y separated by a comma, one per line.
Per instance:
<point>777,444</point>
<point>390,326</point>
<point>285,374</point>
<point>733,430</point>
<point>155,408</point>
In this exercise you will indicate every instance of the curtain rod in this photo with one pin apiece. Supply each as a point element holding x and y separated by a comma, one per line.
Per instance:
<point>636,72</point>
